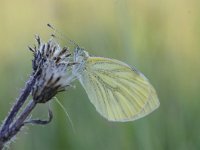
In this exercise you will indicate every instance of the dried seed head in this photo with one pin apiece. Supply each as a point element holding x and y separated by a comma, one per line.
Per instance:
<point>53,65</point>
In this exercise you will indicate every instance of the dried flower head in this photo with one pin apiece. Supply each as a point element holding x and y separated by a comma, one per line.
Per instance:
<point>53,65</point>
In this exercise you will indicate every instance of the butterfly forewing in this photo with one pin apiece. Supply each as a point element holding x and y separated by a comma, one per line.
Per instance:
<point>118,92</point>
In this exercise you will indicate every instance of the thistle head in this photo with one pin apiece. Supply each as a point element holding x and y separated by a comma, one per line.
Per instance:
<point>53,65</point>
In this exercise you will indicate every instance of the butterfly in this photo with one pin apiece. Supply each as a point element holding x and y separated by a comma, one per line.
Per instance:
<point>118,91</point>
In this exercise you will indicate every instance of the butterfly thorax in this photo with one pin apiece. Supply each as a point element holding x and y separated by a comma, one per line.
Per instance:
<point>80,58</point>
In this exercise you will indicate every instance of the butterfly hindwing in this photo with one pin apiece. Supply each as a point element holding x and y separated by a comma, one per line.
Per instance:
<point>118,92</point>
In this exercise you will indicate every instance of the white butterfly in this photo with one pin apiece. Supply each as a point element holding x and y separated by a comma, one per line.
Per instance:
<point>118,92</point>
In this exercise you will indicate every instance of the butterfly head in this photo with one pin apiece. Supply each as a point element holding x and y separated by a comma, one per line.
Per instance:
<point>80,55</point>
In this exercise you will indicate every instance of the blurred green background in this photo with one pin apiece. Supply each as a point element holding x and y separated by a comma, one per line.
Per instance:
<point>160,37</point>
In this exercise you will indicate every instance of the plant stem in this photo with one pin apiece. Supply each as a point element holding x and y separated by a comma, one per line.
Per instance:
<point>19,123</point>
<point>15,128</point>
<point>7,131</point>
<point>1,145</point>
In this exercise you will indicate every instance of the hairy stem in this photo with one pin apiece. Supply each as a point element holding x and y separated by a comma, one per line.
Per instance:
<point>10,129</point>
<point>15,128</point>
<point>18,104</point>
<point>1,145</point>
<point>17,125</point>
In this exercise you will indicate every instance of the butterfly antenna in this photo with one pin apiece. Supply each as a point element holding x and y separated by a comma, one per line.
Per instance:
<point>66,113</point>
<point>72,42</point>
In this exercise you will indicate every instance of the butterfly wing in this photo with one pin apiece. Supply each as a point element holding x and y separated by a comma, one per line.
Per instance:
<point>118,92</point>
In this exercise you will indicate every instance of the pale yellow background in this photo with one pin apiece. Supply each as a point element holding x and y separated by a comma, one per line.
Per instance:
<point>160,37</point>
